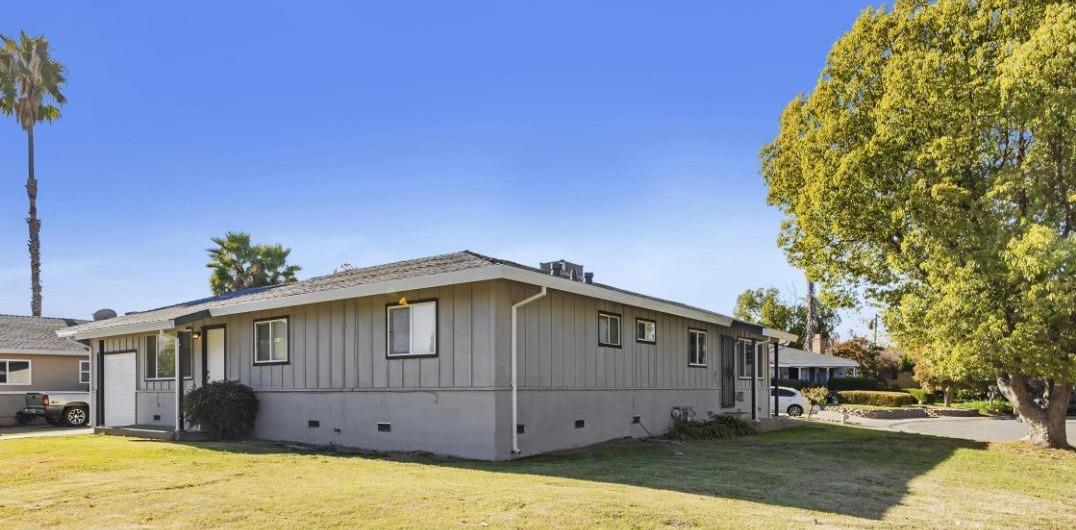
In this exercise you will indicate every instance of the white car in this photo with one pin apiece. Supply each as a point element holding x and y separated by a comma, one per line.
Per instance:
<point>790,400</point>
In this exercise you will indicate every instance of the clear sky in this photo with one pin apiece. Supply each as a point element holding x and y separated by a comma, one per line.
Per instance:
<point>620,135</point>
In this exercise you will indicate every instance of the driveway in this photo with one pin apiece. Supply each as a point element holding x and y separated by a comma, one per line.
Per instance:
<point>35,431</point>
<point>982,429</point>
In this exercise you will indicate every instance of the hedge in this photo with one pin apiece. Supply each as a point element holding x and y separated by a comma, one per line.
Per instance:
<point>715,427</point>
<point>876,398</point>
<point>792,383</point>
<point>854,383</point>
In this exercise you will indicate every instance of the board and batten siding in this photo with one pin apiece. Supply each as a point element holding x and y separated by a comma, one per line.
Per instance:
<point>341,345</point>
<point>558,346</point>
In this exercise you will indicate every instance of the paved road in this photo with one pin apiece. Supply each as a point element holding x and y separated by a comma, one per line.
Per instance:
<point>35,431</point>
<point>982,429</point>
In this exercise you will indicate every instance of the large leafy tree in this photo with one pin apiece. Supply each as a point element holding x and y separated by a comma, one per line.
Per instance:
<point>31,91</point>
<point>767,307</point>
<point>934,168</point>
<point>237,263</point>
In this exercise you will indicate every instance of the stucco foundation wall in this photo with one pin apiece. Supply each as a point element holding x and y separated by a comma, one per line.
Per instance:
<point>150,403</point>
<point>446,422</point>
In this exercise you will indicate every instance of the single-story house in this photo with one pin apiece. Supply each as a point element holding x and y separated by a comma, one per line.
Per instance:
<point>34,359</point>
<point>815,368</point>
<point>458,354</point>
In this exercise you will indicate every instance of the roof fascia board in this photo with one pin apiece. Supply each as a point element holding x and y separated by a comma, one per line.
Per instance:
<point>43,352</point>
<point>128,329</point>
<point>594,291</point>
<point>779,334</point>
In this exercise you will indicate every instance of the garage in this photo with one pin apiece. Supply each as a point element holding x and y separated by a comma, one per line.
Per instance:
<point>119,391</point>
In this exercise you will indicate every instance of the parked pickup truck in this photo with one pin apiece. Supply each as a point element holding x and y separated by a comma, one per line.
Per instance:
<point>57,409</point>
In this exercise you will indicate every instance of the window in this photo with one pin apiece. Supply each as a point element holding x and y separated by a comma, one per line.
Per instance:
<point>608,329</point>
<point>84,371</point>
<point>745,351</point>
<point>161,356</point>
<point>271,341</point>
<point>14,372</point>
<point>696,355</point>
<point>412,329</point>
<point>646,331</point>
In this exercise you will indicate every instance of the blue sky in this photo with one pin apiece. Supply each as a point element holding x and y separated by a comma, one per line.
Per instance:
<point>620,135</point>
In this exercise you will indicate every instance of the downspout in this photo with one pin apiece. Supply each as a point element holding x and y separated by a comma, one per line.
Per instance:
<point>515,357</point>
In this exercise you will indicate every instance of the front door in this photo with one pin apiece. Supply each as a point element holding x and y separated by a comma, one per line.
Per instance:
<point>214,351</point>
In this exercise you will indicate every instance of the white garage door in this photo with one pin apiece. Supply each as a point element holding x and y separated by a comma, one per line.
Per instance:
<point>120,389</point>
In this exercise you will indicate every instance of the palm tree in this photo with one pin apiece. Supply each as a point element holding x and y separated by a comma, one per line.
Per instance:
<point>238,264</point>
<point>31,92</point>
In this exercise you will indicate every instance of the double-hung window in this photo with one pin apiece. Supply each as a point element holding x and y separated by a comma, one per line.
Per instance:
<point>161,351</point>
<point>646,331</point>
<point>608,329</point>
<point>412,329</point>
<point>14,372</point>
<point>696,354</point>
<point>84,371</point>
<point>746,351</point>
<point>271,340</point>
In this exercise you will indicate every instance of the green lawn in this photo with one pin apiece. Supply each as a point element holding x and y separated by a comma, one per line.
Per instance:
<point>815,475</point>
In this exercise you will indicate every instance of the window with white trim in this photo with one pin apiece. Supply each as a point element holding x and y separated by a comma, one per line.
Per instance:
<point>271,341</point>
<point>646,331</point>
<point>84,371</point>
<point>696,355</point>
<point>746,352</point>
<point>412,329</point>
<point>15,372</point>
<point>160,357</point>
<point>608,329</point>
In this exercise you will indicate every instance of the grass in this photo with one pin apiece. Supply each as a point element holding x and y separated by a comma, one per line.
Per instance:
<point>985,407</point>
<point>836,477</point>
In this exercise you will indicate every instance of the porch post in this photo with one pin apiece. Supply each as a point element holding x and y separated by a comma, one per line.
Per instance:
<point>178,385</point>
<point>754,380</point>
<point>776,378</point>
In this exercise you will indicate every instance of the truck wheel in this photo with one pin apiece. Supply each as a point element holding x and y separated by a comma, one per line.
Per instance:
<point>22,418</point>
<point>76,416</point>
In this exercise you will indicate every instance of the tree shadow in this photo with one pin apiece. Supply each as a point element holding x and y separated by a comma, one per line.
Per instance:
<point>836,469</point>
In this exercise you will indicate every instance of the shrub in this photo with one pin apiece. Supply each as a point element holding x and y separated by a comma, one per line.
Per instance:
<point>225,408</point>
<point>815,396</point>
<point>791,383</point>
<point>854,383</point>
<point>920,395</point>
<point>876,398</point>
<point>715,427</point>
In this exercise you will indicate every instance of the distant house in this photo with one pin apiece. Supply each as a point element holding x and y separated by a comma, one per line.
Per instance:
<point>34,359</point>
<point>459,354</point>
<point>814,368</point>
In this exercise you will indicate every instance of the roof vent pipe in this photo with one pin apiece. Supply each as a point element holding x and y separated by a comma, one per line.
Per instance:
<point>589,277</point>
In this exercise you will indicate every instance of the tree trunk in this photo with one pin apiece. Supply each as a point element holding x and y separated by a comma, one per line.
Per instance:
<point>948,393</point>
<point>34,224</point>
<point>808,326</point>
<point>1045,423</point>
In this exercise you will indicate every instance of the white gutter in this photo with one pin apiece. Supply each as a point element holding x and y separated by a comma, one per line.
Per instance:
<point>515,357</point>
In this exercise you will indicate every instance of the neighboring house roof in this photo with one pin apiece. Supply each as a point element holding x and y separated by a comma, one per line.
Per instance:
<point>796,358</point>
<point>434,271</point>
<point>37,335</point>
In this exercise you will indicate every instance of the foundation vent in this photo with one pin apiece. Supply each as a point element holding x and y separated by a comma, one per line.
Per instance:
<point>384,427</point>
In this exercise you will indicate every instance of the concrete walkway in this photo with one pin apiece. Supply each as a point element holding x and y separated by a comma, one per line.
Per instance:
<point>982,429</point>
<point>39,431</point>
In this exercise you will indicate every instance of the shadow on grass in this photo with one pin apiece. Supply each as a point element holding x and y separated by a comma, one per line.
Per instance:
<point>841,470</point>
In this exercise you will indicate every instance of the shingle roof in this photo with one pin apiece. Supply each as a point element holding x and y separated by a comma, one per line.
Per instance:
<point>445,263</point>
<point>799,358</point>
<point>24,334</point>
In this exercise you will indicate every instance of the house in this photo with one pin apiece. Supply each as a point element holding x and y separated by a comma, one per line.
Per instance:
<point>814,368</point>
<point>34,359</point>
<point>458,354</point>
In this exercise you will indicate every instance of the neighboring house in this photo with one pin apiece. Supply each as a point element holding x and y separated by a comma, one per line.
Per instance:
<point>814,368</point>
<point>418,356</point>
<point>34,359</point>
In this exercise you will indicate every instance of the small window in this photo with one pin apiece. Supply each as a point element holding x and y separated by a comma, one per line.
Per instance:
<point>646,331</point>
<point>412,329</point>
<point>608,329</point>
<point>14,372</point>
<point>271,341</point>
<point>84,371</point>
<point>696,347</point>
<point>160,357</point>
<point>745,351</point>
